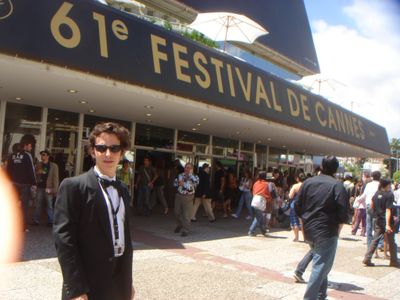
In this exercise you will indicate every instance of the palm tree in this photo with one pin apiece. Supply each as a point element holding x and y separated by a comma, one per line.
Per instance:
<point>395,150</point>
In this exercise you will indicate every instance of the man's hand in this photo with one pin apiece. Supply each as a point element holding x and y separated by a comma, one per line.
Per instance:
<point>389,229</point>
<point>133,293</point>
<point>82,297</point>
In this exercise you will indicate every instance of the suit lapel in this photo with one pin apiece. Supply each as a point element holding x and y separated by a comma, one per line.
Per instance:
<point>100,204</point>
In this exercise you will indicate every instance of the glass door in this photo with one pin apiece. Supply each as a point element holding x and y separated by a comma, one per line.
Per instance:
<point>62,139</point>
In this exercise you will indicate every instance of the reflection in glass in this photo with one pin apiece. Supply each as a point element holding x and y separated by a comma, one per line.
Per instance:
<point>261,153</point>
<point>248,147</point>
<point>154,136</point>
<point>193,142</point>
<point>20,119</point>
<point>225,147</point>
<point>274,155</point>
<point>62,140</point>
<point>91,121</point>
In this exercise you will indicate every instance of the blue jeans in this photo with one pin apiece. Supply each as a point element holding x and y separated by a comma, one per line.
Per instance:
<point>303,264</point>
<point>369,226</point>
<point>143,201</point>
<point>323,256</point>
<point>245,198</point>
<point>25,195</point>
<point>259,221</point>
<point>43,198</point>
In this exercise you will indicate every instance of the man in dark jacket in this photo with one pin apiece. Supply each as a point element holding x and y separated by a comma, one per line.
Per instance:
<point>21,170</point>
<point>323,208</point>
<point>203,194</point>
<point>91,224</point>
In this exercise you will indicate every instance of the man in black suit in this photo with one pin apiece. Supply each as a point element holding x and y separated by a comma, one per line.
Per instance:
<point>91,224</point>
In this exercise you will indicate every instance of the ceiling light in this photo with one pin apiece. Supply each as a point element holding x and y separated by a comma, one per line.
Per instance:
<point>204,119</point>
<point>283,146</point>
<point>92,110</point>
<point>148,121</point>
<point>198,124</point>
<point>18,98</point>
<point>237,132</point>
<point>268,139</point>
<point>56,119</point>
<point>259,141</point>
<point>83,102</point>
<point>194,129</point>
<point>148,115</point>
<point>148,107</point>
<point>72,91</point>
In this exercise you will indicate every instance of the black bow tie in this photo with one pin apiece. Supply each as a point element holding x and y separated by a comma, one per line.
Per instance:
<point>107,183</point>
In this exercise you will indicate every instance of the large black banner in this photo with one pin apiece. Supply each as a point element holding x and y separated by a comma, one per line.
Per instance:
<point>88,36</point>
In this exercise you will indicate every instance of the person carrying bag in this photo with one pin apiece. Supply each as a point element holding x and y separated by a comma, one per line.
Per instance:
<point>260,202</point>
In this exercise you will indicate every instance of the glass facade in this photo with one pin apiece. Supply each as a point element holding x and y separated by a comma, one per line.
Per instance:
<point>154,136</point>
<point>225,147</point>
<point>62,140</point>
<point>274,156</point>
<point>261,154</point>
<point>20,119</point>
<point>90,121</point>
<point>193,142</point>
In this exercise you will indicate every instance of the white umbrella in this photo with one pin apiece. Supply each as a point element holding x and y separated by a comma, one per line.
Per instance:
<point>226,26</point>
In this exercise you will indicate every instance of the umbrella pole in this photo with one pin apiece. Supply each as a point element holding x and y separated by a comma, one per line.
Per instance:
<point>226,31</point>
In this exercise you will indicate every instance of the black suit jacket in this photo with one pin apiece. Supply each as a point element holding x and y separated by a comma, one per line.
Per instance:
<point>84,244</point>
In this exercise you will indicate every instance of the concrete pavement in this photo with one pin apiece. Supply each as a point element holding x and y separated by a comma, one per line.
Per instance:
<point>216,261</point>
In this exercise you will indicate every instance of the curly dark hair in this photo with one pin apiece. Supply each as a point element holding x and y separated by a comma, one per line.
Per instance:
<point>120,131</point>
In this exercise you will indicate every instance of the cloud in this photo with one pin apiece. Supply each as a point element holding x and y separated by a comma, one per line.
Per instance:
<point>360,67</point>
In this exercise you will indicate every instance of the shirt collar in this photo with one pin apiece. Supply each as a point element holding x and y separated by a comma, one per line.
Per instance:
<point>102,176</point>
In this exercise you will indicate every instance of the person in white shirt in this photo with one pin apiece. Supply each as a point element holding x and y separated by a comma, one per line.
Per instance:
<point>369,191</point>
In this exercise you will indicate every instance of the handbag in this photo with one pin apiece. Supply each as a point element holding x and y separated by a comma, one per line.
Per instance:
<point>356,204</point>
<point>258,202</point>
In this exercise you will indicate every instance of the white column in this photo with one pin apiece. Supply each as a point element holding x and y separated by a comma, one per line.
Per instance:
<point>267,158</point>
<point>175,141</point>
<point>43,129</point>
<point>2,123</point>
<point>133,135</point>
<point>210,149</point>
<point>78,164</point>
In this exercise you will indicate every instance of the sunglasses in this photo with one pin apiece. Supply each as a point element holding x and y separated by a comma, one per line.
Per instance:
<point>112,148</point>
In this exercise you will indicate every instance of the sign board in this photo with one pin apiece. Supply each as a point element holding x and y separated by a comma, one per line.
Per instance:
<point>94,38</point>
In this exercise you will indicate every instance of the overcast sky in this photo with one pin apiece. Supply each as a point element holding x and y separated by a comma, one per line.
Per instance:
<point>358,48</point>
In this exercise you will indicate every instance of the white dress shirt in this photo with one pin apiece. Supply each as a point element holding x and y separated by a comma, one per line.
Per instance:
<point>119,245</point>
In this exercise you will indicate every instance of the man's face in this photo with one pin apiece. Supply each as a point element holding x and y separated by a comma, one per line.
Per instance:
<point>146,162</point>
<point>188,169</point>
<point>44,157</point>
<point>28,147</point>
<point>107,161</point>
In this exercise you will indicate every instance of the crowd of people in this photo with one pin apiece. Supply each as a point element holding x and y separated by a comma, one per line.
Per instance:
<point>92,210</point>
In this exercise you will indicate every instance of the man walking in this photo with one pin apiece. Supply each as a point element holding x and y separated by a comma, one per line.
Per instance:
<point>186,184</point>
<point>21,170</point>
<point>47,174</point>
<point>384,211</point>
<point>323,207</point>
<point>147,175</point>
<point>370,189</point>
<point>91,224</point>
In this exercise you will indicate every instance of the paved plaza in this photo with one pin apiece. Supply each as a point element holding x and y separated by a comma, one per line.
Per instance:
<point>216,261</point>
